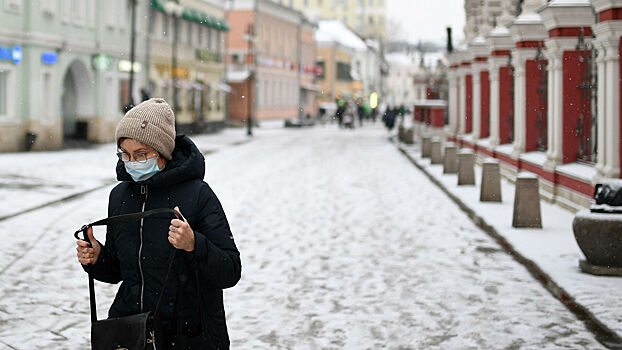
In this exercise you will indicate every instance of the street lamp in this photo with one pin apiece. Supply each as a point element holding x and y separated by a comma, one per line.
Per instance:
<point>175,10</point>
<point>132,55</point>
<point>250,38</point>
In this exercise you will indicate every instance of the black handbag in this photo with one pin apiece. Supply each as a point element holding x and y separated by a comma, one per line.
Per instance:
<point>609,193</point>
<point>135,332</point>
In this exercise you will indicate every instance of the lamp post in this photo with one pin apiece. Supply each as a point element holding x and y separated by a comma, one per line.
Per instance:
<point>250,38</point>
<point>175,10</point>
<point>132,55</point>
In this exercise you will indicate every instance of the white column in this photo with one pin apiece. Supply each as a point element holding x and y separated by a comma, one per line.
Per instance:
<point>477,101</point>
<point>603,79</point>
<point>452,100</point>
<point>494,66</point>
<point>518,62</point>
<point>462,104</point>
<point>611,118</point>
<point>555,124</point>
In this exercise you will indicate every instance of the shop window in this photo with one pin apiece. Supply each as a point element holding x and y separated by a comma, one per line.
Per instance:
<point>320,70</point>
<point>4,90</point>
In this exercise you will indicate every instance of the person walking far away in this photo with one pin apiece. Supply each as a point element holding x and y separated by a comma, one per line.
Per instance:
<point>159,169</point>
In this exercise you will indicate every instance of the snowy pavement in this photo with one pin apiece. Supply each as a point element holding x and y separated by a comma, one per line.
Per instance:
<point>344,243</point>
<point>553,249</point>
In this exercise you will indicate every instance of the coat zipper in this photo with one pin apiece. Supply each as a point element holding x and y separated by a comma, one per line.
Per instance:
<point>143,190</point>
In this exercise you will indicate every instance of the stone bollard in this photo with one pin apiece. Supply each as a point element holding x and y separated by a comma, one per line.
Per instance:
<point>400,133</point>
<point>408,136</point>
<point>490,190</point>
<point>425,147</point>
<point>436,154</point>
<point>450,163</point>
<point>466,171</point>
<point>527,202</point>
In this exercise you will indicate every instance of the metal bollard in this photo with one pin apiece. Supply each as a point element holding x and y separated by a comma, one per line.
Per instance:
<point>490,190</point>
<point>527,202</point>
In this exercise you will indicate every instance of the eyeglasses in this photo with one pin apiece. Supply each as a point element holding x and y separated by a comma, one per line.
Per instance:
<point>138,157</point>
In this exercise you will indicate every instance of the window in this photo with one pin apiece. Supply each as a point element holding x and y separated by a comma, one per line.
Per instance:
<point>320,66</point>
<point>13,5</point>
<point>46,93</point>
<point>4,89</point>
<point>65,10</point>
<point>109,12</point>
<point>209,38</point>
<point>48,7</point>
<point>189,31</point>
<point>78,12</point>
<point>343,71</point>
<point>371,21</point>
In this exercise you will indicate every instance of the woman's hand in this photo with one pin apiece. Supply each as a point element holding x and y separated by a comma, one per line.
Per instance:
<point>87,255</point>
<point>180,234</point>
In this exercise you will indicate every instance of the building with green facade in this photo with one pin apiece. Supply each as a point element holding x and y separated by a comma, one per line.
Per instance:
<point>65,70</point>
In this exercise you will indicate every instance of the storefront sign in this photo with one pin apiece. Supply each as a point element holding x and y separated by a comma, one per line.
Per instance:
<point>373,100</point>
<point>206,55</point>
<point>125,65</point>
<point>102,62</point>
<point>13,54</point>
<point>49,57</point>
<point>180,72</point>
<point>17,54</point>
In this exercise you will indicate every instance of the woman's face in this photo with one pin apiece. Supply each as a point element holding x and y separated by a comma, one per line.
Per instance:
<point>134,149</point>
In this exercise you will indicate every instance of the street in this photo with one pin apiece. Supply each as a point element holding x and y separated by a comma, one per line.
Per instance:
<point>344,245</point>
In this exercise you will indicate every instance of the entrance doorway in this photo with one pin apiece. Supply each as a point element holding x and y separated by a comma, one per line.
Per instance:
<point>76,102</point>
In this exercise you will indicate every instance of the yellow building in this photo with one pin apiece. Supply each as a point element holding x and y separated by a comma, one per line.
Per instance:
<point>366,17</point>
<point>336,46</point>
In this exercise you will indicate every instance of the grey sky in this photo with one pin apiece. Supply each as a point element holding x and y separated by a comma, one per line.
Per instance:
<point>427,19</point>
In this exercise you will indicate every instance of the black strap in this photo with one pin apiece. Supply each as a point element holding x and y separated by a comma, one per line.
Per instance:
<point>120,219</point>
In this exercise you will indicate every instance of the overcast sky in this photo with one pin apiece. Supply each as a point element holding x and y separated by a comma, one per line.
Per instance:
<point>427,19</point>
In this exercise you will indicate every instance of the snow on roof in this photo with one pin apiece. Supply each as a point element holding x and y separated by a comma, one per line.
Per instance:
<point>499,31</point>
<point>430,59</point>
<point>528,18</point>
<point>335,31</point>
<point>569,3</point>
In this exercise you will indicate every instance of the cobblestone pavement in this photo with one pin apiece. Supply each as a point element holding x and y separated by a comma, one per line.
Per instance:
<point>344,245</point>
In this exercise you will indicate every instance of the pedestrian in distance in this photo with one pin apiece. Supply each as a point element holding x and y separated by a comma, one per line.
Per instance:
<point>159,169</point>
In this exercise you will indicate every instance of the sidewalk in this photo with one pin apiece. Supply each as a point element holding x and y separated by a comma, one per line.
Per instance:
<point>551,251</point>
<point>32,179</point>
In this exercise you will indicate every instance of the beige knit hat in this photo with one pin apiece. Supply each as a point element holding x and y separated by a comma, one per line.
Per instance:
<point>152,122</point>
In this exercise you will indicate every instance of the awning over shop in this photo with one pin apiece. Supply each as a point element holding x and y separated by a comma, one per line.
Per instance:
<point>220,87</point>
<point>237,76</point>
<point>195,16</point>
<point>311,87</point>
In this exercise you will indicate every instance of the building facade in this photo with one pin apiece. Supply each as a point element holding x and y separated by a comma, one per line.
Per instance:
<point>337,47</point>
<point>541,93</point>
<point>195,87</point>
<point>266,62</point>
<point>366,17</point>
<point>62,66</point>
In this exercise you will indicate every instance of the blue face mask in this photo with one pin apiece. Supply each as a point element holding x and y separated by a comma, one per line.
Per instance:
<point>142,171</point>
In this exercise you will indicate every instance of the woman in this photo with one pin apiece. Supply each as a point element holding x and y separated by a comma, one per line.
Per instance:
<point>158,169</point>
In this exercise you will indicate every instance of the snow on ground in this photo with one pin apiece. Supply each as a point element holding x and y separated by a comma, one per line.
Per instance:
<point>344,245</point>
<point>31,179</point>
<point>553,248</point>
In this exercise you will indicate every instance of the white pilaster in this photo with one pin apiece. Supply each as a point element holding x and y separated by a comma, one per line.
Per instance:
<point>477,102</point>
<point>608,120</point>
<point>494,101</point>
<point>554,153</point>
<point>462,96</point>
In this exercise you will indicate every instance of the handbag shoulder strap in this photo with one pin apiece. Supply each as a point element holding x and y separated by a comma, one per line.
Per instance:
<point>120,219</point>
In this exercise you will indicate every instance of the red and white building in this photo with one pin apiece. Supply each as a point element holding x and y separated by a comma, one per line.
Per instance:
<point>541,92</point>
<point>270,56</point>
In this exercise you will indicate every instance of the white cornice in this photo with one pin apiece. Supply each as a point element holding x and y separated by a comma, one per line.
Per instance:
<point>603,5</point>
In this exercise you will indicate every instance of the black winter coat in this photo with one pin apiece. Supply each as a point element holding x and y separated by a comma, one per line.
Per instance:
<point>140,263</point>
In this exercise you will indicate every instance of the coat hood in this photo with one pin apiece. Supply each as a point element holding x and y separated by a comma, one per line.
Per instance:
<point>187,163</point>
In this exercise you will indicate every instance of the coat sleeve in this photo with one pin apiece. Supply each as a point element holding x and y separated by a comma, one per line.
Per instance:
<point>215,253</point>
<point>107,268</point>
